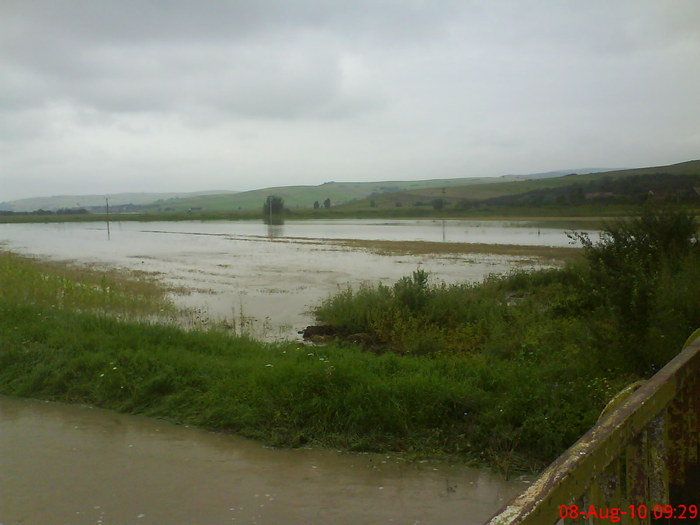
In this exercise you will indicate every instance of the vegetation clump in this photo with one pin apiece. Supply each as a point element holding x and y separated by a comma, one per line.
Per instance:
<point>557,342</point>
<point>619,295</point>
<point>273,205</point>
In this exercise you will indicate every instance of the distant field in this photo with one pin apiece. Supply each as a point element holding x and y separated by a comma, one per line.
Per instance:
<point>299,197</point>
<point>479,192</point>
<point>89,201</point>
<point>377,199</point>
<point>346,194</point>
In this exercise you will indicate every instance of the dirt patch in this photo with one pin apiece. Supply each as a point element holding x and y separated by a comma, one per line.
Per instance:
<point>447,248</point>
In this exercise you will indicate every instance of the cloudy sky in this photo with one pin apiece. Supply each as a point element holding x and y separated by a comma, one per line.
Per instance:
<point>106,96</point>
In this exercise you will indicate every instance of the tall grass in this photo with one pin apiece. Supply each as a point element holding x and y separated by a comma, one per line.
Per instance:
<point>630,302</point>
<point>555,343</point>
<point>26,280</point>
<point>290,394</point>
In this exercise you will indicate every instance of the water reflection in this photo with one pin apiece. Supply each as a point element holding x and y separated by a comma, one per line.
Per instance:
<point>275,226</point>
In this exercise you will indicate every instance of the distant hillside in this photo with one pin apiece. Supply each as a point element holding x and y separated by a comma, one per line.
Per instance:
<point>346,193</point>
<point>305,196</point>
<point>359,195</point>
<point>490,192</point>
<point>558,173</point>
<point>88,201</point>
<point>632,189</point>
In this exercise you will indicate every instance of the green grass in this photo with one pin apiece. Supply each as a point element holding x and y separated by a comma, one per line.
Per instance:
<point>26,280</point>
<point>289,394</point>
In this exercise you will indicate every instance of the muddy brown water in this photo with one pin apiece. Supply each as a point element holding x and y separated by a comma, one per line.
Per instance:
<point>71,465</point>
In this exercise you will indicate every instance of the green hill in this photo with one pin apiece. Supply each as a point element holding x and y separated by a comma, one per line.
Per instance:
<point>90,201</point>
<point>482,192</point>
<point>340,193</point>
<point>304,196</point>
<point>351,196</point>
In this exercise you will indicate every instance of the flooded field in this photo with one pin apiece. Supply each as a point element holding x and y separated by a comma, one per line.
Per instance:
<point>263,279</point>
<point>71,465</point>
<point>74,465</point>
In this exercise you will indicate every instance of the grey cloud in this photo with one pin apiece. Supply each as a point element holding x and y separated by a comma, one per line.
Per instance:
<point>264,60</point>
<point>391,87</point>
<point>115,20</point>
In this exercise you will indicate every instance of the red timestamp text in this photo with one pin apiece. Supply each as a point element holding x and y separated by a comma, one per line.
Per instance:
<point>615,514</point>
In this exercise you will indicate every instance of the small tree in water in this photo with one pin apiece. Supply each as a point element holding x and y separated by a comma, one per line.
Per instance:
<point>273,205</point>
<point>439,203</point>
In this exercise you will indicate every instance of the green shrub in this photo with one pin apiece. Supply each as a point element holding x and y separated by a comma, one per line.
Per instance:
<point>630,273</point>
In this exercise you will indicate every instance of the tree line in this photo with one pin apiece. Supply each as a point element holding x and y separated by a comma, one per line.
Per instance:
<point>274,205</point>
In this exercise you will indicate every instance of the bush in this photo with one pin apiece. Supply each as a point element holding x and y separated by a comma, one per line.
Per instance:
<point>632,299</point>
<point>629,273</point>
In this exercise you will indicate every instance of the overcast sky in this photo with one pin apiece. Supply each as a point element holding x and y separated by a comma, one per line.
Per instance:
<point>106,96</point>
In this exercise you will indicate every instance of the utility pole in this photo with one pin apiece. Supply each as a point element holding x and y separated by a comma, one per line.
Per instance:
<point>107,207</point>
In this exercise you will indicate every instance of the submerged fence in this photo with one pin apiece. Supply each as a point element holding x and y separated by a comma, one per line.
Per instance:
<point>639,464</point>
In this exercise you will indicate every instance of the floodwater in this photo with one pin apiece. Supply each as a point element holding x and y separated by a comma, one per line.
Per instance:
<point>72,465</point>
<point>264,279</point>
<point>68,465</point>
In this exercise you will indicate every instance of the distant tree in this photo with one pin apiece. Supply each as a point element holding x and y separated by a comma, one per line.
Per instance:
<point>372,203</point>
<point>273,205</point>
<point>71,211</point>
<point>316,205</point>
<point>606,183</point>
<point>577,195</point>
<point>327,203</point>
<point>438,203</point>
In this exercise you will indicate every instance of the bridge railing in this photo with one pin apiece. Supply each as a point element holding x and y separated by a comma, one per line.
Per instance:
<point>639,464</point>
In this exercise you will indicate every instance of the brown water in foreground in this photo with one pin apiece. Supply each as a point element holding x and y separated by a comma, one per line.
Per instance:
<point>70,465</point>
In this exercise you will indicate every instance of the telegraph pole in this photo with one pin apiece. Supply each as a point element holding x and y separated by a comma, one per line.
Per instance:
<point>107,207</point>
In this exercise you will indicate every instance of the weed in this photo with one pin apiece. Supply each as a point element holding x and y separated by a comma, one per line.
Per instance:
<point>127,294</point>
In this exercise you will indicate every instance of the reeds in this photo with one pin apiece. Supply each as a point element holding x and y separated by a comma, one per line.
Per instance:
<point>128,294</point>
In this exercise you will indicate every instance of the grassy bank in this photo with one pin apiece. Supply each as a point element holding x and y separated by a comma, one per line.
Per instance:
<point>291,394</point>
<point>120,293</point>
